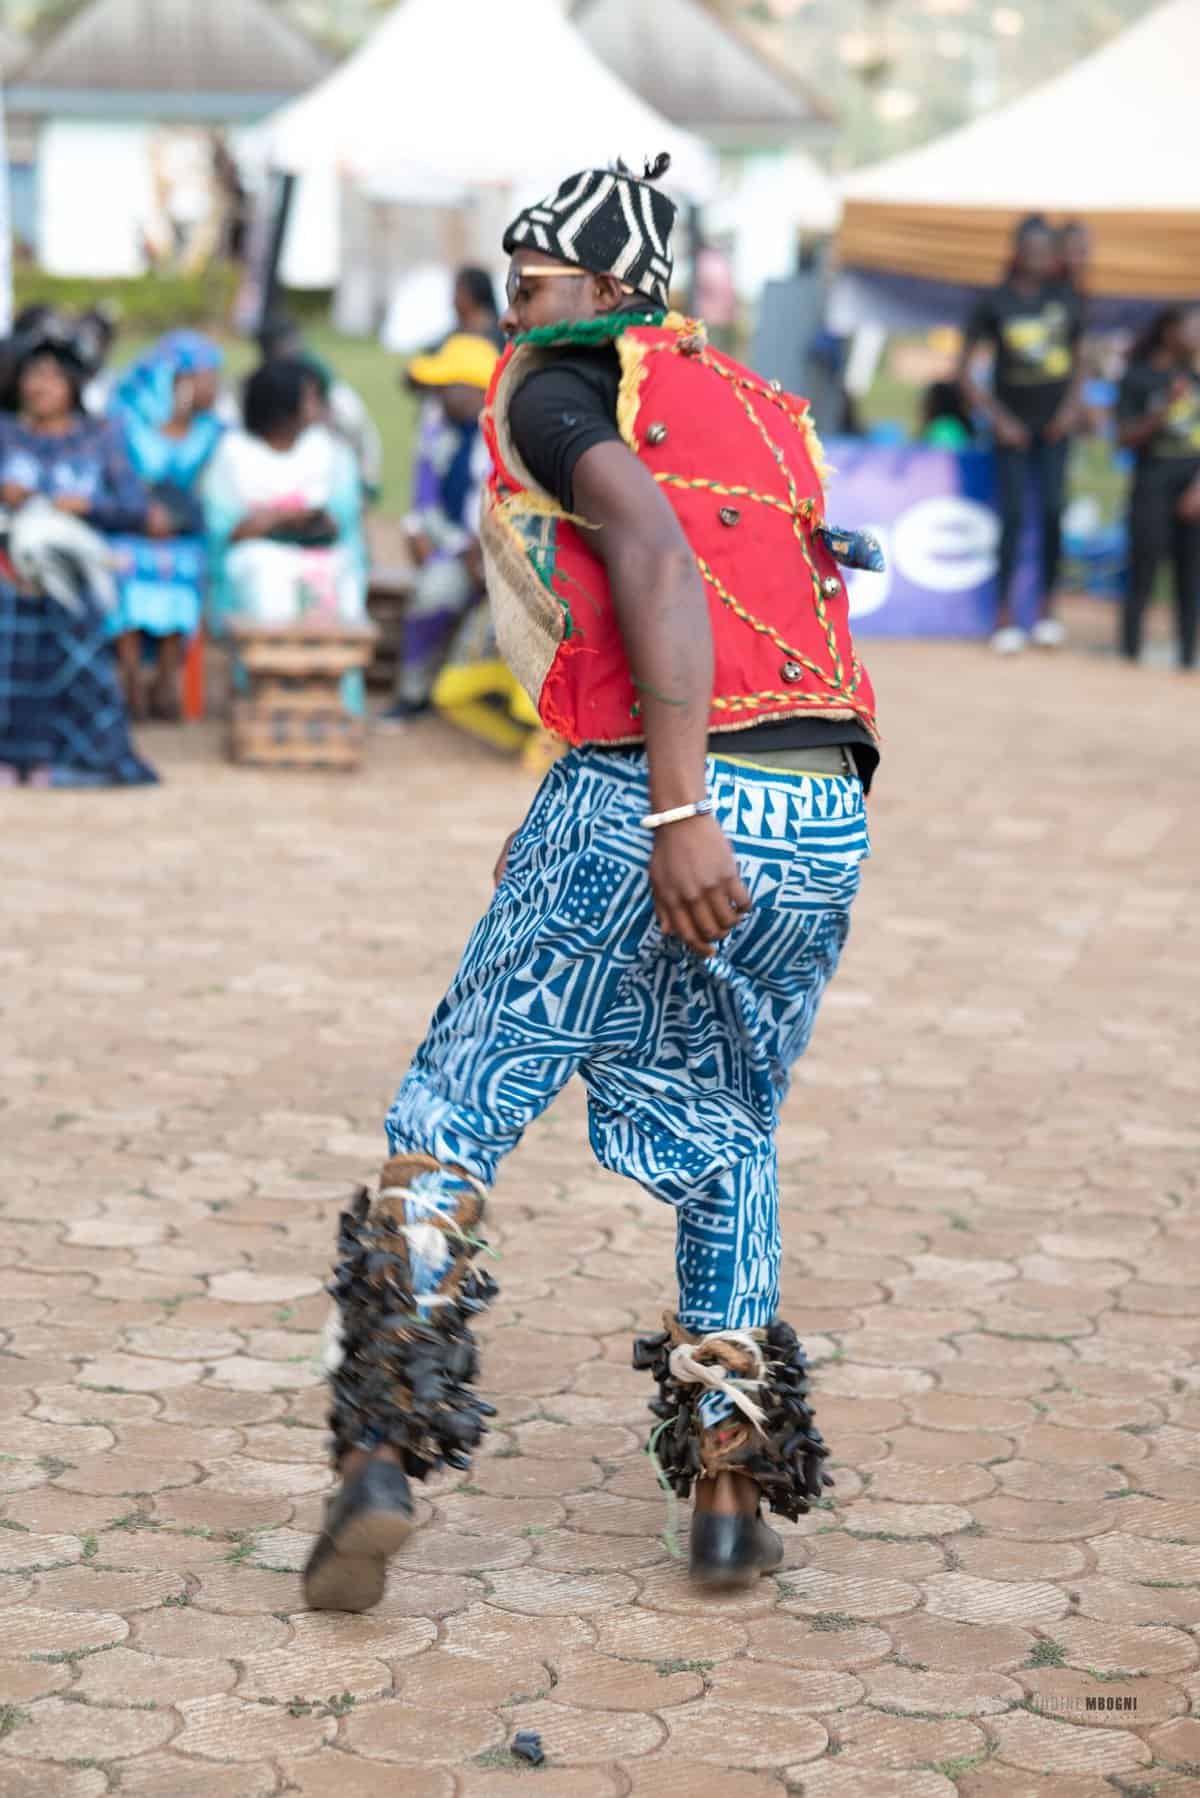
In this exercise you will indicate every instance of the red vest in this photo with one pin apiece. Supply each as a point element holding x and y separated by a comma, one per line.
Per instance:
<point>740,463</point>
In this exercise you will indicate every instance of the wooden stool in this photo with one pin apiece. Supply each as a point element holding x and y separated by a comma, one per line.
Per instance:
<point>387,600</point>
<point>293,715</point>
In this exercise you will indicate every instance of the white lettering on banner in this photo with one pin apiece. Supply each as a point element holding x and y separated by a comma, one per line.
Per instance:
<point>946,544</point>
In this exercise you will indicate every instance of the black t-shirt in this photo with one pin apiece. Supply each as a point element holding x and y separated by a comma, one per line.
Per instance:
<point>1035,337</point>
<point>1176,443</point>
<point>565,407</point>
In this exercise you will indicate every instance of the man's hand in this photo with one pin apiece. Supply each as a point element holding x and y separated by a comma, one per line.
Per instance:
<point>1010,432</point>
<point>1069,417</point>
<point>498,870</point>
<point>14,496</point>
<point>472,561</point>
<point>73,503</point>
<point>698,893</point>
<point>1189,503</point>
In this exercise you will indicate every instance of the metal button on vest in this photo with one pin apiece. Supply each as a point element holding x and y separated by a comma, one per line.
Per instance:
<point>792,671</point>
<point>656,434</point>
<point>729,515</point>
<point>775,386</point>
<point>831,586</point>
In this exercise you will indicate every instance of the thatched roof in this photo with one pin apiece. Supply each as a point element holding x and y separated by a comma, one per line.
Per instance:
<point>182,58</point>
<point>702,67</point>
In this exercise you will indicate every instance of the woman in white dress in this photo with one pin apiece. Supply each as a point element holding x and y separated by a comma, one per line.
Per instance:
<point>283,513</point>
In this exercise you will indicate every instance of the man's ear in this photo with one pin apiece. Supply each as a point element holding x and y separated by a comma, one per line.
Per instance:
<point>608,293</point>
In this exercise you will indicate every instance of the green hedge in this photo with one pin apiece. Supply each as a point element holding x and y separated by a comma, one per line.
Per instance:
<point>145,303</point>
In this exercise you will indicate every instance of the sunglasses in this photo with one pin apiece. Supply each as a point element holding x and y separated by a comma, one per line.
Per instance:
<point>560,271</point>
<point>518,276</point>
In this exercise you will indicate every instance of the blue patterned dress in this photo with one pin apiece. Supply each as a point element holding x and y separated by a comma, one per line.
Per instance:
<point>62,714</point>
<point>163,580</point>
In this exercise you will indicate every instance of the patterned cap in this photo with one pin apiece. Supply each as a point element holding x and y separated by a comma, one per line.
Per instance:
<point>608,221</point>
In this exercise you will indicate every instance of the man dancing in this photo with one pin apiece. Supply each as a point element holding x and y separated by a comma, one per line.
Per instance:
<point>668,915</point>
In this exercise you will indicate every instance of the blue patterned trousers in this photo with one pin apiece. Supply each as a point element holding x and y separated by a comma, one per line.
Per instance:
<point>686,1061</point>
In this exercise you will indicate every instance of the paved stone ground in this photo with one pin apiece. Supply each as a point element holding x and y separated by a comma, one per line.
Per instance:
<point>209,991</point>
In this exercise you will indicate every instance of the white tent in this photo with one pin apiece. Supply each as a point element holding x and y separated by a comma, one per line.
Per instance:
<point>480,94</point>
<point>766,204</point>
<point>1112,141</point>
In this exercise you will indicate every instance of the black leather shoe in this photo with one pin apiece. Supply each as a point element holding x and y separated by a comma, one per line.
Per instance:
<point>366,1522</point>
<point>731,1551</point>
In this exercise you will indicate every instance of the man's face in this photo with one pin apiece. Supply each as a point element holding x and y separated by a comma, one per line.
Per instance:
<point>461,404</point>
<point>553,299</point>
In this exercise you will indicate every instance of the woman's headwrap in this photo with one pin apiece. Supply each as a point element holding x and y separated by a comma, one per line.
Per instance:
<point>608,221</point>
<point>145,392</point>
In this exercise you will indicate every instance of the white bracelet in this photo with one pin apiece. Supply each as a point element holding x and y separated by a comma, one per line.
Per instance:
<point>699,809</point>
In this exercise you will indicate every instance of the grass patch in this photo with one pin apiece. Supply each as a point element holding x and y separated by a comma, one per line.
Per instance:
<point>180,1601</point>
<point>1047,1653</point>
<point>241,1551</point>
<point>136,1520</point>
<point>336,1705</point>
<point>67,1657</point>
<point>10,1523</point>
<point>665,1669</point>
<point>1107,1678</point>
<point>959,1767</point>
<point>829,1622</point>
<point>11,1717</point>
<point>498,1760</point>
<point>535,1529</point>
<point>91,1548</point>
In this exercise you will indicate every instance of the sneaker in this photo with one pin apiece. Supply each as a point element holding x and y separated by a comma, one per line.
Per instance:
<point>403,711</point>
<point>1048,633</point>
<point>1009,640</point>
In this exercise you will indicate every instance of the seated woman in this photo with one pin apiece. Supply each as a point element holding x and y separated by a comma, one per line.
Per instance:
<point>63,479</point>
<point>283,512</point>
<point>165,405</point>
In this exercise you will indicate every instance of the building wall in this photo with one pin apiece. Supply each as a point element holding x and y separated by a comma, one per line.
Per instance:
<point>95,196</point>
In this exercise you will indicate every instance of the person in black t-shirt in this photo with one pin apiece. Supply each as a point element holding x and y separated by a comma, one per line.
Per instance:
<point>1158,416</point>
<point>1033,323</point>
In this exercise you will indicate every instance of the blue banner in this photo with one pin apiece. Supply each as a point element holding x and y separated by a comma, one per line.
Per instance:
<point>932,511</point>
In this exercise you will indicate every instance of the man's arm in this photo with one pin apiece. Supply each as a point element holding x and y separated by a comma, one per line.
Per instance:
<point>662,613</point>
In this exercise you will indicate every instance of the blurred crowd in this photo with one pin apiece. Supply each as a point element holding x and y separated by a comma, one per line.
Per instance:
<point>139,502</point>
<point>1032,379</point>
<point>134,504</point>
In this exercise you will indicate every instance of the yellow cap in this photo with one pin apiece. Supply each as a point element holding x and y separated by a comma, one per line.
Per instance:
<point>463,360</point>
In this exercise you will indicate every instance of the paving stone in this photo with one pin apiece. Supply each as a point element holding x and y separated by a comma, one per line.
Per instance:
<point>871,1737</point>
<point>331,1774</point>
<point>57,1731</point>
<point>830,1780</point>
<point>222,1728</point>
<point>727,1735</point>
<point>27,1779</point>
<point>1042,1746</point>
<point>660,1777</point>
<point>987,1224</point>
<point>416,1737</point>
<point>170,1776</point>
<point>1079,1698</point>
